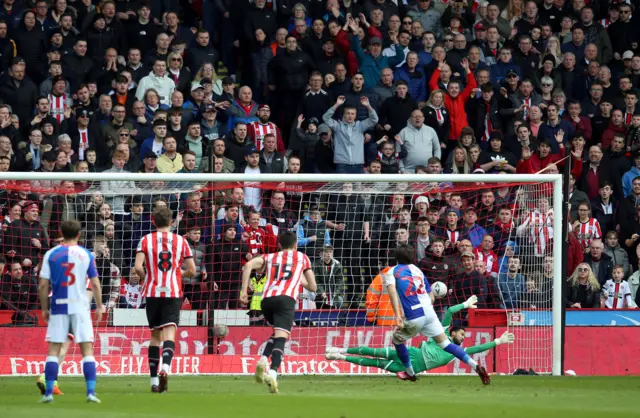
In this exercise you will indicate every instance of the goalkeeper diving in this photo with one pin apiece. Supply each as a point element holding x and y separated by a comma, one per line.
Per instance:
<point>426,357</point>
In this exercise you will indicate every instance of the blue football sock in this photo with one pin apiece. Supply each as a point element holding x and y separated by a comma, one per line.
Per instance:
<point>459,352</point>
<point>89,370</point>
<point>50,373</point>
<point>403,354</point>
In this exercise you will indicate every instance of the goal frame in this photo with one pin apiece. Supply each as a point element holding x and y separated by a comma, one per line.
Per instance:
<point>554,179</point>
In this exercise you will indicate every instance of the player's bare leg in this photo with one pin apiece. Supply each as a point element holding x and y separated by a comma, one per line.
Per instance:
<point>271,378</point>
<point>263,363</point>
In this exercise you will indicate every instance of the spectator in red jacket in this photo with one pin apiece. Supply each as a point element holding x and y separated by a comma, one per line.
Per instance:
<point>533,162</point>
<point>455,99</point>
<point>575,255</point>
<point>485,254</point>
<point>616,125</point>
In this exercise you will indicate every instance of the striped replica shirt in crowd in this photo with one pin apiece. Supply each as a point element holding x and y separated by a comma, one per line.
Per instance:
<point>587,232</point>
<point>284,272</point>
<point>57,106</point>
<point>164,253</point>
<point>257,131</point>
<point>618,294</point>
<point>538,227</point>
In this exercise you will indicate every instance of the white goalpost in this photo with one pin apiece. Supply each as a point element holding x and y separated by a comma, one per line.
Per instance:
<point>347,224</point>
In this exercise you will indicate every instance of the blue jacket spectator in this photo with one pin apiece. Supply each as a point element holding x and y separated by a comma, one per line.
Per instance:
<point>244,109</point>
<point>414,76</point>
<point>147,146</point>
<point>219,224</point>
<point>500,70</point>
<point>372,63</point>
<point>512,284</point>
<point>627,178</point>
<point>471,230</point>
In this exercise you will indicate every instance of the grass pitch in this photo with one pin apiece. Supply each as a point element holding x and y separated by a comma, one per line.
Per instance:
<point>329,397</point>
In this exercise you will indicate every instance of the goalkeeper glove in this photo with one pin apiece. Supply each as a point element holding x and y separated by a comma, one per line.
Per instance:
<point>472,302</point>
<point>506,338</point>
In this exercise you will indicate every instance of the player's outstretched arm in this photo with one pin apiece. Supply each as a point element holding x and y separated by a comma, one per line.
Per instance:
<point>256,263</point>
<point>309,281</point>
<point>448,315</point>
<point>506,338</point>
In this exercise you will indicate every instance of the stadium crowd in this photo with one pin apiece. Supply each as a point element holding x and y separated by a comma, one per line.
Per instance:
<point>327,86</point>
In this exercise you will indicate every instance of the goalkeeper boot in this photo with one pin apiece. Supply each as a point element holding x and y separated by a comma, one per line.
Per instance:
<point>271,379</point>
<point>261,367</point>
<point>407,376</point>
<point>334,355</point>
<point>164,382</point>
<point>42,385</point>
<point>46,399</point>
<point>484,376</point>
<point>92,398</point>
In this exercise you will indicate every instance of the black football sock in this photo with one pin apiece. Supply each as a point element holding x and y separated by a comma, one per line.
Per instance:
<point>168,347</point>
<point>278,352</point>
<point>268,347</point>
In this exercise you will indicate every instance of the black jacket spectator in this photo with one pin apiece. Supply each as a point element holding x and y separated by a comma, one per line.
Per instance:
<point>77,68</point>
<point>259,18</point>
<point>198,55</point>
<point>224,261</point>
<point>32,46</point>
<point>477,112</point>
<point>588,298</point>
<point>289,72</point>
<point>19,241</point>
<point>431,119</point>
<point>396,112</point>
<point>463,285</point>
<point>234,149</point>
<point>604,268</point>
<point>19,92</point>
<point>142,36</point>
<point>313,105</point>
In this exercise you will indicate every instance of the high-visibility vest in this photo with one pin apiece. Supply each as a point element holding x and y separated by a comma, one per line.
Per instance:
<point>379,310</point>
<point>258,288</point>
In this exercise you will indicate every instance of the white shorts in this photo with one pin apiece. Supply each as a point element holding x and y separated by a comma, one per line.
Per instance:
<point>428,325</point>
<point>79,325</point>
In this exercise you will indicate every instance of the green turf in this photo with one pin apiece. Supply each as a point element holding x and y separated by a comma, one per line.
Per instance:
<point>328,397</point>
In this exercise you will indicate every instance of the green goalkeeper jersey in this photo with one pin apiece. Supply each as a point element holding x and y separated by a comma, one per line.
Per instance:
<point>434,356</point>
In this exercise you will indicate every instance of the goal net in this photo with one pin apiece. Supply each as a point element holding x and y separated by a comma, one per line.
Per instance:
<point>497,237</point>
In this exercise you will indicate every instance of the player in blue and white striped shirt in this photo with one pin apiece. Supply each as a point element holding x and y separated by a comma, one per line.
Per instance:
<point>412,302</point>
<point>66,268</point>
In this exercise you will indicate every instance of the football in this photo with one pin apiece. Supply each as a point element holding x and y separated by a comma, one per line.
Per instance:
<point>439,289</point>
<point>220,330</point>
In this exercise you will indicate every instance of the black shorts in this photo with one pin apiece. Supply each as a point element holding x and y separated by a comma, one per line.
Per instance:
<point>279,311</point>
<point>163,311</point>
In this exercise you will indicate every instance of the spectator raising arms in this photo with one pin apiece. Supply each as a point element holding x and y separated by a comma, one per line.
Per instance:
<point>455,99</point>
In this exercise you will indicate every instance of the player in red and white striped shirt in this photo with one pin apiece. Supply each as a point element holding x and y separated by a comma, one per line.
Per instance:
<point>163,254</point>
<point>286,271</point>
<point>586,228</point>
